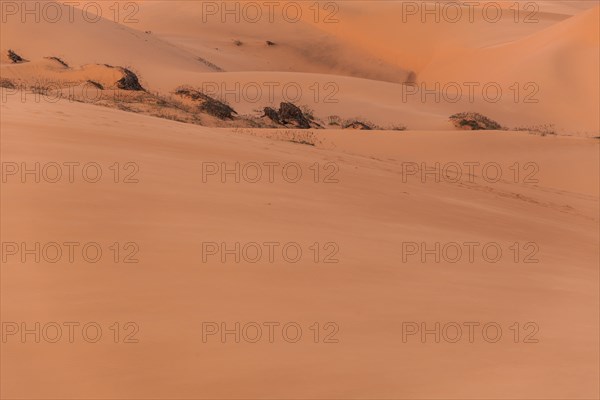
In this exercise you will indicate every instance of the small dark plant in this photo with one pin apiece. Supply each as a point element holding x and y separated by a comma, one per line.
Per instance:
<point>95,84</point>
<point>474,121</point>
<point>58,60</point>
<point>7,84</point>
<point>15,58</point>
<point>355,123</point>
<point>208,104</point>
<point>129,81</point>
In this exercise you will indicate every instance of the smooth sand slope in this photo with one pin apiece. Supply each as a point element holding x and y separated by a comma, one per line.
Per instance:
<point>369,293</point>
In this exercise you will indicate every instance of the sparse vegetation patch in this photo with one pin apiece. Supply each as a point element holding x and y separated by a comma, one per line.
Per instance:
<point>542,130</point>
<point>210,65</point>
<point>15,58</point>
<point>289,114</point>
<point>129,81</point>
<point>7,84</point>
<point>95,84</point>
<point>358,124</point>
<point>474,121</point>
<point>58,60</point>
<point>207,104</point>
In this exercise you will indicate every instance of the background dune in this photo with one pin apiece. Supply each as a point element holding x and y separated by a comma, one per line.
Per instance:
<point>544,68</point>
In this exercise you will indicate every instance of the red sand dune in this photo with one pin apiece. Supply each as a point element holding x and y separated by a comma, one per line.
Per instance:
<point>167,195</point>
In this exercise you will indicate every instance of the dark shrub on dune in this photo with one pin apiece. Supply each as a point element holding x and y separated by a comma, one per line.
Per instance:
<point>58,60</point>
<point>15,58</point>
<point>95,84</point>
<point>272,114</point>
<point>288,114</point>
<point>7,84</point>
<point>207,104</point>
<point>474,121</point>
<point>129,81</point>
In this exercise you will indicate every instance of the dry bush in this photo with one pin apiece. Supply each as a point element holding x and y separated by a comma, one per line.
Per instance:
<point>542,130</point>
<point>474,121</point>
